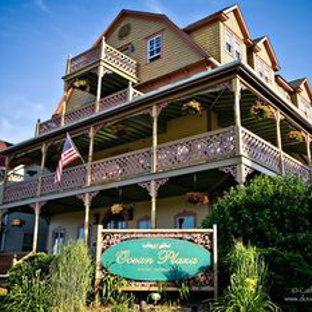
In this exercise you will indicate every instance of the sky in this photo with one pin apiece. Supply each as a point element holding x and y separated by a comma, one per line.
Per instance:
<point>36,36</point>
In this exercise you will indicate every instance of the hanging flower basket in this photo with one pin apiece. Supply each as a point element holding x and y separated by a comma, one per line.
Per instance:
<point>192,108</point>
<point>295,136</point>
<point>119,130</point>
<point>117,208</point>
<point>83,85</point>
<point>197,198</point>
<point>261,111</point>
<point>17,222</point>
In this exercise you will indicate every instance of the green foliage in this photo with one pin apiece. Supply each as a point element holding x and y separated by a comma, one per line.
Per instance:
<point>113,293</point>
<point>274,214</point>
<point>31,294</point>
<point>183,289</point>
<point>29,266</point>
<point>71,278</point>
<point>246,292</point>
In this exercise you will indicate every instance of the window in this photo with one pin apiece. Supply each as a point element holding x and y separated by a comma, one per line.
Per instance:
<point>229,42</point>
<point>58,240</point>
<point>127,49</point>
<point>27,242</point>
<point>116,222</point>
<point>233,45</point>
<point>305,107</point>
<point>264,71</point>
<point>185,220</point>
<point>80,235</point>
<point>154,48</point>
<point>145,223</point>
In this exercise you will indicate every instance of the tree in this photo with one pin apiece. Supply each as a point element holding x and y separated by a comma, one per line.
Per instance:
<point>274,214</point>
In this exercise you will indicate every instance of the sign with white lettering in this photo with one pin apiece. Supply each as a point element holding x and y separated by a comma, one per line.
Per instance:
<point>156,259</point>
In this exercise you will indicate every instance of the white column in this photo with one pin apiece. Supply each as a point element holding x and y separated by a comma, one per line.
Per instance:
<point>44,149</point>
<point>90,154</point>
<point>279,140</point>
<point>37,209</point>
<point>87,204</point>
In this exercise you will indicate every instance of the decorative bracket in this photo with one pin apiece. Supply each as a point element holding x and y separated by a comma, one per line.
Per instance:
<point>232,170</point>
<point>37,206</point>
<point>153,191</point>
<point>160,107</point>
<point>87,198</point>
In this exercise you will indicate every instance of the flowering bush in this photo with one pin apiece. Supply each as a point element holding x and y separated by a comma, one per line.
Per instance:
<point>193,108</point>
<point>197,198</point>
<point>261,111</point>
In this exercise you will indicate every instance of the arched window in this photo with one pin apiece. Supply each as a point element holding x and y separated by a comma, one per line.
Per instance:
<point>185,220</point>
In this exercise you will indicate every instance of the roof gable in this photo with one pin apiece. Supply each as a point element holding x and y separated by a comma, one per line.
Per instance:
<point>266,43</point>
<point>147,15</point>
<point>302,84</point>
<point>223,16</point>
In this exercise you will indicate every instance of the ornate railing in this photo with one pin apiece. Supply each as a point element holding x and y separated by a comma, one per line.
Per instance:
<point>110,55</point>
<point>294,167</point>
<point>261,151</point>
<point>130,164</point>
<point>194,150</point>
<point>207,147</point>
<point>110,101</point>
<point>72,178</point>
<point>20,190</point>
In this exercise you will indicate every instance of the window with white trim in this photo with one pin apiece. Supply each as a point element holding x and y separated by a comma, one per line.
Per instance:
<point>58,240</point>
<point>154,48</point>
<point>237,50</point>
<point>264,70</point>
<point>185,222</point>
<point>233,45</point>
<point>305,107</point>
<point>229,42</point>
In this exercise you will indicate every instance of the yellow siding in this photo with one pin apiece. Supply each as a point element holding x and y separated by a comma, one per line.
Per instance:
<point>177,53</point>
<point>232,23</point>
<point>208,38</point>
<point>167,209</point>
<point>304,94</point>
<point>263,54</point>
<point>178,128</point>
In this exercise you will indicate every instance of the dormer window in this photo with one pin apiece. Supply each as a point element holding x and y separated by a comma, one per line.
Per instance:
<point>305,107</point>
<point>154,48</point>
<point>264,71</point>
<point>233,45</point>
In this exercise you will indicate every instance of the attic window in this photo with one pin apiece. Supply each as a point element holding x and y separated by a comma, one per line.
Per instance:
<point>154,48</point>
<point>229,42</point>
<point>233,45</point>
<point>264,71</point>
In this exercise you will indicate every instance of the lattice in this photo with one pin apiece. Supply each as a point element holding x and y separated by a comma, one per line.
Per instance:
<point>72,178</point>
<point>84,59</point>
<point>20,190</point>
<point>122,166</point>
<point>293,167</point>
<point>206,148</point>
<point>114,100</point>
<point>120,60</point>
<point>80,113</point>
<point>49,125</point>
<point>261,151</point>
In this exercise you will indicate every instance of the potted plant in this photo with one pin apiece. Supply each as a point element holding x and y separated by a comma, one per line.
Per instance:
<point>17,222</point>
<point>82,84</point>
<point>117,208</point>
<point>261,110</point>
<point>197,198</point>
<point>192,108</point>
<point>295,136</point>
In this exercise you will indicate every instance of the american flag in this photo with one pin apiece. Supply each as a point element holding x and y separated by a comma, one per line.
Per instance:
<point>69,154</point>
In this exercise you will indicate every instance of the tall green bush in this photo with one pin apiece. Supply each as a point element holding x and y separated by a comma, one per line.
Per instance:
<point>71,278</point>
<point>275,214</point>
<point>246,292</point>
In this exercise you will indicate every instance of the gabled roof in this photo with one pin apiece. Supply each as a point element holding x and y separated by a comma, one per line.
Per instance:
<point>282,82</point>
<point>302,82</point>
<point>222,15</point>
<point>269,48</point>
<point>147,15</point>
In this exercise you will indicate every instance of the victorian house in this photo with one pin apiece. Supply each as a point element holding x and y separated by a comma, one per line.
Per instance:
<point>165,120</point>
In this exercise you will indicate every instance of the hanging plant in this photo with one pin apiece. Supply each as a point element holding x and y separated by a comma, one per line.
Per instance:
<point>295,136</point>
<point>192,108</point>
<point>261,110</point>
<point>197,198</point>
<point>119,130</point>
<point>117,208</point>
<point>17,222</point>
<point>82,84</point>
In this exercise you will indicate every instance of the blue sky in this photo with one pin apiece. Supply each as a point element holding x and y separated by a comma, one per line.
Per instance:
<point>37,35</point>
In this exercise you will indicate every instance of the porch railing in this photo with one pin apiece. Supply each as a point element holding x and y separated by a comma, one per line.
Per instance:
<point>203,148</point>
<point>110,55</point>
<point>110,101</point>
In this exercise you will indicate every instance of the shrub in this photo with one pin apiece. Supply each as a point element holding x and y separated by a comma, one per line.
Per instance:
<point>274,214</point>
<point>71,278</point>
<point>246,291</point>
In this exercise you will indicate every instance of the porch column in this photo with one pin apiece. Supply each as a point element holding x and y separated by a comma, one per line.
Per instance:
<point>130,92</point>
<point>155,137</point>
<point>44,149</point>
<point>308,144</point>
<point>100,73</point>
<point>5,178</point>
<point>90,155</point>
<point>279,139</point>
<point>240,172</point>
<point>2,213</point>
<point>37,209</point>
